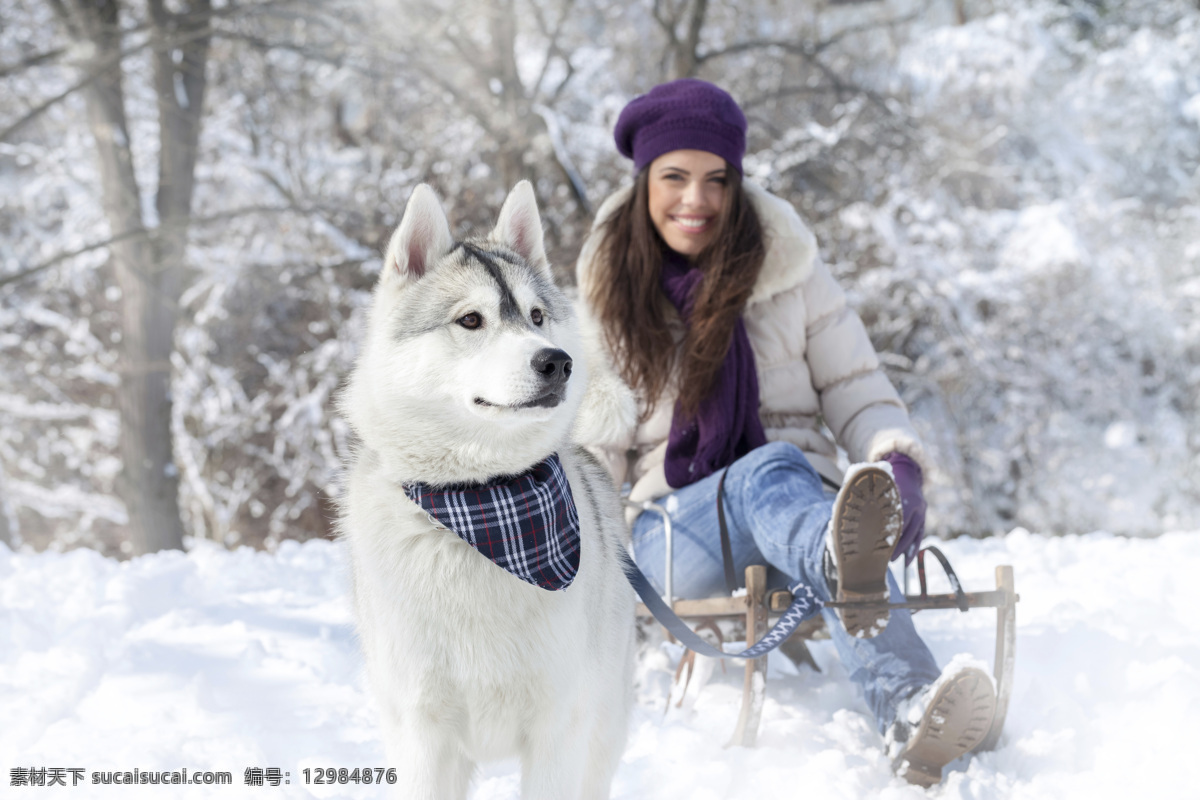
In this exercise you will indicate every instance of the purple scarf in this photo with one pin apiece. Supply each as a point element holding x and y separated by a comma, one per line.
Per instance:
<point>727,426</point>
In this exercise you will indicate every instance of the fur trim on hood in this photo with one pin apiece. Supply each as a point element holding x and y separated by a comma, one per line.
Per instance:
<point>608,414</point>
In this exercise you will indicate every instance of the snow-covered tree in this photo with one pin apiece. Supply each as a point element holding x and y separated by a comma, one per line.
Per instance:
<point>1008,191</point>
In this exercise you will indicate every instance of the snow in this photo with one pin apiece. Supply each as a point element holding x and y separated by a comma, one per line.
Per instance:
<point>1027,257</point>
<point>227,660</point>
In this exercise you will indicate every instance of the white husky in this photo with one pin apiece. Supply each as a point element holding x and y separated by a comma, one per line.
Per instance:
<point>464,377</point>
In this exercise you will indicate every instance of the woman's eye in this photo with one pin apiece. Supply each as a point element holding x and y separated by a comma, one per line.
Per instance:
<point>470,321</point>
<point>536,316</point>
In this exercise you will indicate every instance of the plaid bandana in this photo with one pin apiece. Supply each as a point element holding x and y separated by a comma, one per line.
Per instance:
<point>526,524</point>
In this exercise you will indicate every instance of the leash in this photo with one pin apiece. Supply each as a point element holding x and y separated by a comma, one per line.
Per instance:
<point>731,581</point>
<point>804,605</point>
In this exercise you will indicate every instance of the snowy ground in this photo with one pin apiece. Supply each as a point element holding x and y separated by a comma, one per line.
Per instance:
<point>225,661</point>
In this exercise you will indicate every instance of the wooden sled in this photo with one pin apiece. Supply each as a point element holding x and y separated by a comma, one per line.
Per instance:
<point>757,604</point>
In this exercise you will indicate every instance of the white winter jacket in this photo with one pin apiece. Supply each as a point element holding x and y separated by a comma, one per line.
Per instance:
<point>815,363</point>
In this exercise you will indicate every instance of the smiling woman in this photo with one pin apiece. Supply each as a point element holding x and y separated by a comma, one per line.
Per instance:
<point>687,215</point>
<point>742,350</point>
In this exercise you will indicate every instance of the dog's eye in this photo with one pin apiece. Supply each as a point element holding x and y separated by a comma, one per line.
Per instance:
<point>470,321</point>
<point>536,316</point>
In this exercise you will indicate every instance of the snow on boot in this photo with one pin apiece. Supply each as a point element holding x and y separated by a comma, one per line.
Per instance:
<point>866,523</point>
<point>941,723</point>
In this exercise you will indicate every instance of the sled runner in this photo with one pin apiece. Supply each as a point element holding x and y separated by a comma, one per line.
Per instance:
<point>757,604</point>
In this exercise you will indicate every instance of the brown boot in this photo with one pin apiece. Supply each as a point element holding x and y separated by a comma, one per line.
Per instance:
<point>940,724</point>
<point>866,523</point>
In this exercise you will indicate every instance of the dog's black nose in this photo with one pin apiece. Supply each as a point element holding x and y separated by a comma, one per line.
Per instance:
<point>553,365</point>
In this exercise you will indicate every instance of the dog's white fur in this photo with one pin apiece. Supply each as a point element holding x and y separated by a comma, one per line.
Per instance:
<point>467,662</point>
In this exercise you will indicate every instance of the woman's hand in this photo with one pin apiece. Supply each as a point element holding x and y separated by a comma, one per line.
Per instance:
<point>907,474</point>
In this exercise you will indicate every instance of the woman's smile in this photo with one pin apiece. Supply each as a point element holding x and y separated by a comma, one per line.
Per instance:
<point>692,225</point>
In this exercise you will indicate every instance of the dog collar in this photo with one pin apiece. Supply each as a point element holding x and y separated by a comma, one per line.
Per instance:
<point>526,524</point>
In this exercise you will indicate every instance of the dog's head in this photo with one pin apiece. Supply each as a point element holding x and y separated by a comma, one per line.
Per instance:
<point>468,369</point>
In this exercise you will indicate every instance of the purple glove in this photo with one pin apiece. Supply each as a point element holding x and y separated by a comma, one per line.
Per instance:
<point>907,474</point>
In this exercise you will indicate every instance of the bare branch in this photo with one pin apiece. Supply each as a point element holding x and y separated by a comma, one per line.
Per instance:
<point>61,257</point>
<point>691,44</point>
<point>539,17</point>
<point>100,70</point>
<point>794,46</point>
<point>563,157</point>
<point>32,61</point>
<point>97,72</point>
<point>786,91</point>
<point>867,28</point>
<point>552,48</point>
<point>566,79</point>
<point>809,53</point>
<point>312,54</point>
<point>151,233</point>
<point>484,71</point>
<point>668,25</point>
<point>798,47</point>
<point>801,48</point>
<point>68,19</point>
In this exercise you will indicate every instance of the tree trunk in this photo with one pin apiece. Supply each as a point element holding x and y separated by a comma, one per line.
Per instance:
<point>682,58</point>
<point>5,532</point>
<point>687,56</point>
<point>149,271</point>
<point>514,117</point>
<point>147,483</point>
<point>181,44</point>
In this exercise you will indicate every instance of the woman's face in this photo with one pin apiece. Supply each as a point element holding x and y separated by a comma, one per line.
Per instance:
<point>687,191</point>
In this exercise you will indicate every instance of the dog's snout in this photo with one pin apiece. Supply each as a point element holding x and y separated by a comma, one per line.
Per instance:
<point>553,365</point>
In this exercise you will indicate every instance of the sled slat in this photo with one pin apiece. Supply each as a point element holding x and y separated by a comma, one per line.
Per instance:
<point>755,687</point>
<point>779,601</point>
<point>993,599</point>
<point>1006,646</point>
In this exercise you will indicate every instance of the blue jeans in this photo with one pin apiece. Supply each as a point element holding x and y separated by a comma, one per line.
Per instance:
<point>778,511</point>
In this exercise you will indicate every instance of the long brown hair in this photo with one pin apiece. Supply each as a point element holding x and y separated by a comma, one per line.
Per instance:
<point>635,313</point>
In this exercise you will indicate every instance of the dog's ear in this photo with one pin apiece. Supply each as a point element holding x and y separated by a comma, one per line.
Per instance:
<point>520,226</point>
<point>422,237</point>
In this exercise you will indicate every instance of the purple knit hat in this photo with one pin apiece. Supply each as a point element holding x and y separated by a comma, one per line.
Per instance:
<point>686,114</point>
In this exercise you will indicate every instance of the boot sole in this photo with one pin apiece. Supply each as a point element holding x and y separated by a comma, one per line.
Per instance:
<point>867,520</point>
<point>957,720</point>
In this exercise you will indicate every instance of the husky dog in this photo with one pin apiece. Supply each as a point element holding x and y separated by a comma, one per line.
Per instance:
<point>471,373</point>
